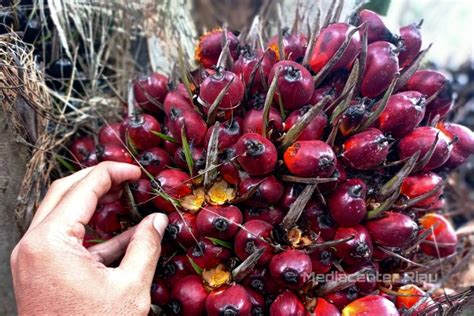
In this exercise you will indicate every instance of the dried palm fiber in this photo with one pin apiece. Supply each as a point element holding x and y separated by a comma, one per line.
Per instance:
<point>26,103</point>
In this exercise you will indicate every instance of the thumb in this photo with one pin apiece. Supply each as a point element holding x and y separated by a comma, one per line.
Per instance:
<point>144,248</point>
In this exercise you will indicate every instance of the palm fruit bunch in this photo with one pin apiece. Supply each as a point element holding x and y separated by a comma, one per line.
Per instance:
<point>277,164</point>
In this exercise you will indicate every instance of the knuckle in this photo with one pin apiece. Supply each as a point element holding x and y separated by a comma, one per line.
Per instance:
<point>26,248</point>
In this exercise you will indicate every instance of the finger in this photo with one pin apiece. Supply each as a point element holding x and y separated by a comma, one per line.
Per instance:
<point>144,249</point>
<point>80,201</point>
<point>55,193</point>
<point>111,250</point>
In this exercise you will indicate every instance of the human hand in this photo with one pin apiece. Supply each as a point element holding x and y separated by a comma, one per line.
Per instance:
<point>54,274</point>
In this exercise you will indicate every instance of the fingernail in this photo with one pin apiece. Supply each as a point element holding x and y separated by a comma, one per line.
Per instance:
<point>160,222</point>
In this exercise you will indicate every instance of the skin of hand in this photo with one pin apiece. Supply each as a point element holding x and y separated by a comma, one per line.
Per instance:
<point>54,274</point>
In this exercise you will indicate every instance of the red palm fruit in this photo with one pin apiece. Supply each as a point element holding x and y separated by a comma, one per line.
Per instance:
<point>255,79</point>
<point>371,305</point>
<point>258,303</point>
<point>272,215</point>
<point>403,113</point>
<point>137,131</point>
<point>200,74</point>
<point>113,153</point>
<point>392,230</point>
<point>318,220</point>
<point>193,124</point>
<point>198,155</point>
<point>314,130</point>
<point>227,168</point>
<point>210,47</point>
<point>110,134</point>
<point>379,254</point>
<point>381,67</point>
<point>357,250</point>
<point>228,133</point>
<point>271,286</point>
<point>295,84</point>
<point>353,117</point>
<point>142,191</point>
<point>290,194</point>
<point>410,294</point>
<point>365,150</point>
<point>323,307</point>
<point>249,239</point>
<point>376,28</point>
<point>154,160</point>
<point>256,154</point>
<point>337,80</point>
<point>422,139</point>
<point>340,174</point>
<point>253,121</point>
<point>421,183</point>
<point>269,191</point>
<point>83,151</point>
<point>81,147</point>
<point>256,279</point>
<point>442,242</point>
<point>232,300</point>
<point>188,297</point>
<point>214,84</point>
<point>347,203</point>
<point>291,268</point>
<point>343,297</point>
<point>321,260</point>
<point>183,228</point>
<point>168,145</point>
<point>463,145</point>
<point>411,39</point>
<point>178,98</point>
<point>175,183</point>
<point>439,205</point>
<point>150,91</point>
<point>320,93</point>
<point>159,293</point>
<point>175,269</point>
<point>219,221</point>
<point>428,82</point>
<point>286,304</point>
<point>310,158</point>
<point>327,44</point>
<point>107,218</point>
<point>367,283</point>
<point>294,45</point>
<point>91,160</point>
<point>208,255</point>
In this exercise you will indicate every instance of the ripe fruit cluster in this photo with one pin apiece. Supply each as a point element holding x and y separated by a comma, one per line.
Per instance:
<point>272,166</point>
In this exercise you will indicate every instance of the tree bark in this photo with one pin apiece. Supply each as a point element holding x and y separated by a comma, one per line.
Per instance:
<point>13,158</point>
